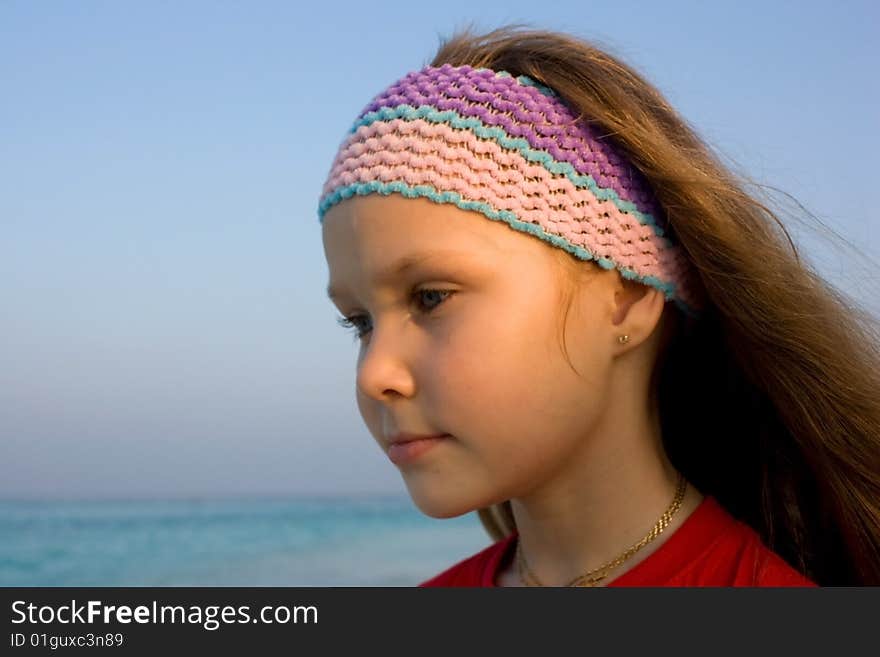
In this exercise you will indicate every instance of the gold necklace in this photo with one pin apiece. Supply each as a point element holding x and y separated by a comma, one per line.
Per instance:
<point>596,575</point>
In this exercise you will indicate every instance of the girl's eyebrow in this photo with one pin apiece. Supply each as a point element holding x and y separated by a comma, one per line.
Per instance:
<point>401,266</point>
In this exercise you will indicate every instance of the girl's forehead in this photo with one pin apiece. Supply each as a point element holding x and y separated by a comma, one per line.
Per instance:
<point>381,239</point>
<point>398,223</point>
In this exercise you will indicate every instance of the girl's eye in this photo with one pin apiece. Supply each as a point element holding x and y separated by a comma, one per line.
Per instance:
<point>353,322</point>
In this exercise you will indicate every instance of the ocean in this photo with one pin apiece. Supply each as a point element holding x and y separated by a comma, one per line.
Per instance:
<point>368,541</point>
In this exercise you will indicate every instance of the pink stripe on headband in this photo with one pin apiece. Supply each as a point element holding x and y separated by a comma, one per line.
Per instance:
<point>422,153</point>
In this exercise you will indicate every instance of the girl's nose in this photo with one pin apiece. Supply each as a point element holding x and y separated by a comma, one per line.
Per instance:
<point>382,369</point>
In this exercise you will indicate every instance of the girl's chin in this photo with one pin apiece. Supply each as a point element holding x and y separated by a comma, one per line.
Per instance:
<point>438,506</point>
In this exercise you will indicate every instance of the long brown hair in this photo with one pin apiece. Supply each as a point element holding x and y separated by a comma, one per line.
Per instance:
<point>770,402</point>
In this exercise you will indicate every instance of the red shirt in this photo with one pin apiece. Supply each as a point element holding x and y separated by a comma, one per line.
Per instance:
<point>710,548</point>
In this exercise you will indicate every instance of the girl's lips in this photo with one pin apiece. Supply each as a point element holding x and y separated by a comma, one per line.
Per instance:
<point>409,451</point>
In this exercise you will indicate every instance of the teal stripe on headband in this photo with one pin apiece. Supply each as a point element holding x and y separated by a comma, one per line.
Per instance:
<point>503,139</point>
<point>508,217</point>
<point>526,81</point>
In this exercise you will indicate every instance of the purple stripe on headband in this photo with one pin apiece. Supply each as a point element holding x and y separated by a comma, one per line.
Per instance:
<point>523,111</point>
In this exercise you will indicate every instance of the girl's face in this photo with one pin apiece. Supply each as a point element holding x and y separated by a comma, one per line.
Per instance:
<point>467,341</point>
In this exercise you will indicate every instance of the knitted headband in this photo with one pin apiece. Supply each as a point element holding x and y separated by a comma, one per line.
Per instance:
<point>510,149</point>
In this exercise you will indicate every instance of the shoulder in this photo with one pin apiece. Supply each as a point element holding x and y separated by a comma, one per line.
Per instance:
<point>476,570</point>
<point>738,557</point>
<point>773,570</point>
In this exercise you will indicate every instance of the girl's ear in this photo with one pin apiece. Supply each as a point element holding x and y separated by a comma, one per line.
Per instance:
<point>637,309</point>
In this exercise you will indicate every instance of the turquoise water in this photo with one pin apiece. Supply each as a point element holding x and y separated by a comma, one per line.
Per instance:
<point>258,542</point>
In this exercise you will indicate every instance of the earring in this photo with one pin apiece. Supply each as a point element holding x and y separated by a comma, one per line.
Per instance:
<point>623,339</point>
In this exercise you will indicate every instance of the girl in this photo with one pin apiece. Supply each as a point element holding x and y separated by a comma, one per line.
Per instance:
<point>655,391</point>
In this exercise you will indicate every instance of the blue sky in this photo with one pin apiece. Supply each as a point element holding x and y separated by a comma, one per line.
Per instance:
<point>165,330</point>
